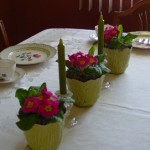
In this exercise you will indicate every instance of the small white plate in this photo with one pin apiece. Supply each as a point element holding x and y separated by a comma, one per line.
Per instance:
<point>27,54</point>
<point>19,73</point>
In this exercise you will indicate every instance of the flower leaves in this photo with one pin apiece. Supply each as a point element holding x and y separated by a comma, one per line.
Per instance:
<point>39,106</point>
<point>120,29</point>
<point>27,123</point>
<point>119,40</point>
<point>128,38</point>
<point>84,67</point>
<point>92,50</point>
<point>21,94</point>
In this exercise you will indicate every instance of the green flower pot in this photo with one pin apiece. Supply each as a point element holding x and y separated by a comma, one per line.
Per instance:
<point>85,93</point>
<point>45,137</point>
<point>118,59</point>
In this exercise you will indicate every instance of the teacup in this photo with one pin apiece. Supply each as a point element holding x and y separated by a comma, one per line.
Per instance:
<point>7,69</point>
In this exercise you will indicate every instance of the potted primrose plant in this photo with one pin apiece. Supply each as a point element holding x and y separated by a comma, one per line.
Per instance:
<point>85,76</point>
<point>118,47</point>
<point>41,117</point>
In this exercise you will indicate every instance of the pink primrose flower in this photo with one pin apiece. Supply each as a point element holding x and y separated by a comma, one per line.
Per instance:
<point>69,63</point>
<point>110,33</point>
<point>72,60</point>
<point>30,105</point>
<point>46,93</point>
<point>114,31</point>
<point>78,54</point>
<point>82,61</point>
<point>53,98</point>
<point>49,108</point>
<point>92,60</point>
<point>107,37</point>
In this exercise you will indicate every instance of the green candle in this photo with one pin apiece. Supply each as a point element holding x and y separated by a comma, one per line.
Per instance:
<point>101,35</point>
<point>62,70</point>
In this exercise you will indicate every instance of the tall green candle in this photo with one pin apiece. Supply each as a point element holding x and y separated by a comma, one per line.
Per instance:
<point>62,70</point>
<point>101,35</point>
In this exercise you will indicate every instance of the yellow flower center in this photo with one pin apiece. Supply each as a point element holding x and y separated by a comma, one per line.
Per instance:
<point>82,62</point>
<point>48,108</point>
<point>92,60</point>
<point>40,97</point>
<point>30,104</point>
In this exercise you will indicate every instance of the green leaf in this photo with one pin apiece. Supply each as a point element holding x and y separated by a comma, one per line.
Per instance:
<point>42,86</point>
<point>128,38</point>
<point>33,91</point>
<point>36,90</point>
<point>120,28</point>
<point>93,71</point>
<point>51,120</point>
<point>92,50</point>
<point>27,123</point>
<point>115,44</point>
<point>21,94</point>
<point>101,57</point>
<point>59,117</point>
<point>104,69</point>
<point>66,100</point>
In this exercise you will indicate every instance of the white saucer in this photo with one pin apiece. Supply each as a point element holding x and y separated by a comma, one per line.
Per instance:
<point>19,73</point>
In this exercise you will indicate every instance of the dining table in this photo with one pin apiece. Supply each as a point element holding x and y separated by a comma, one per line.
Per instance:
<point>120,118</point>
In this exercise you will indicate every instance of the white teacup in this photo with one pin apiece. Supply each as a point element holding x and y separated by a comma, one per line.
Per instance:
<point>7,69</point>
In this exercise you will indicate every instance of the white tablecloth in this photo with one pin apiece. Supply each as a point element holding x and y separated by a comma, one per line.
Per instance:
<point>120,119</point>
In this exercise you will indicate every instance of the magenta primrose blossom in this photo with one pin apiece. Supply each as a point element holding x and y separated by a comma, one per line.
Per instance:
<point>84,67</point>
<point>81,60</point>
<point>40,106</point>
<point>48,108</point>
<point>110,33</point>
<point>46,104</point>
<point>30,105</point>
<point>114,38</point>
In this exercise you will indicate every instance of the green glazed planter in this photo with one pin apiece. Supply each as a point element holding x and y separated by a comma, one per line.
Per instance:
<point>118,59</point>
<point>85,93</point>
<point>45,137</point>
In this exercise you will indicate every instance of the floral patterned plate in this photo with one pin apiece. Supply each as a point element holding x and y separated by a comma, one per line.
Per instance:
<point>27,54</point>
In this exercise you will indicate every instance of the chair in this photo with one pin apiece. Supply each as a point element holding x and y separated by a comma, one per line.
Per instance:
<point>137,16</point>
<point>4,35</point>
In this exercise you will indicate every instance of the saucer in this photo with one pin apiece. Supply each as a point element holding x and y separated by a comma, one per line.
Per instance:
<point>19,73</point>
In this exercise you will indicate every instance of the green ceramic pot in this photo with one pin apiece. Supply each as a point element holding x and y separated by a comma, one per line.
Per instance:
<point>45,137</point>
<point>118,59</point>
<point>85,93</point>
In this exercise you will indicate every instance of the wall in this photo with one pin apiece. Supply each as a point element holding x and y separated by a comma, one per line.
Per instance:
<point>24,18</point>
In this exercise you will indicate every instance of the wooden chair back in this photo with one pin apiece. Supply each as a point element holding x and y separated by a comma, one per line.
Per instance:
<point>4,36</point>
<point>137,16</point>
